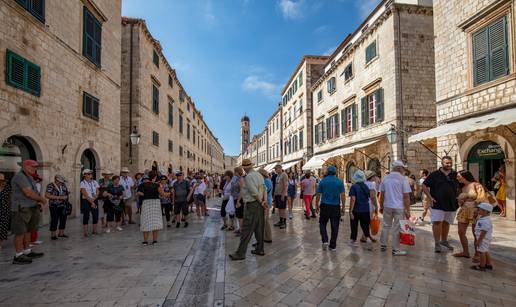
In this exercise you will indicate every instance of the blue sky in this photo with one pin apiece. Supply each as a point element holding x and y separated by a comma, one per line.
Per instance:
<point>234,56</point>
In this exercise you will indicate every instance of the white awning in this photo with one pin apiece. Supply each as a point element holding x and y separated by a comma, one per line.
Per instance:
<point>317,161</point>
<point>288,165</point>
<point>269,167</point>
<point>499,118</point>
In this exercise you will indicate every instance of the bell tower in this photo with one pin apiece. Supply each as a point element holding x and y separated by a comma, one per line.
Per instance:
<point>244,133</point>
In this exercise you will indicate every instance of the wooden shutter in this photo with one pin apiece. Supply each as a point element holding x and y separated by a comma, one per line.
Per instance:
<point>354,117</point>
<point>86,105</point>
<point>328,129</point>
<point>37,8</point>
<point>95,108</point>
<point>323,131</point>
<point>15,70</point>
<point>365,111</point>
<point>337,127</point>
<point>33,78</point>
<point>498,49</point>
<point>343,119</point>
<point>379,105</point>
<point>155,99</point>
<point>480,57</point>
<point>316,134</point>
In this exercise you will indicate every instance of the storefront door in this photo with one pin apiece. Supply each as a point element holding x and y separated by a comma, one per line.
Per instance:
<point>484,160</point>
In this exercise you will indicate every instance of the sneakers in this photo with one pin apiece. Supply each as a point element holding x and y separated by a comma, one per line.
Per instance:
<point>383,248</point>
<point>333,249</point>
<point>352,243</point>
<point>168,225</point>
<point>186,224</point>
<point>437,248</point>
<point>369,244</point>
<point>34,255</point>
<point>399,253</point>
<point>447,245</point>
<point>119,228</point>
<point>108,230</point>
<point>53,238</point>
<point>290,216</point>
<point>278,224</point>
<point>22,259</point>
<point>178,225</point>
<point>283,226</point>
<point>325,246</point>
<point>63,236</point>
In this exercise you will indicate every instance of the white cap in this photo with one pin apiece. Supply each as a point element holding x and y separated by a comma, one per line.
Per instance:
<point>486,206</point>
<point>398,163</point>
<point>87,171</point>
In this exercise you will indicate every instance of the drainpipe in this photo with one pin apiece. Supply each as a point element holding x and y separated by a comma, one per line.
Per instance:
<point>400,72</point>
<point>131,94</point>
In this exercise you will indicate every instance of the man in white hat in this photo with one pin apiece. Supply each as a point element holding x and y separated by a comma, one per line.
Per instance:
<point>128,183</point>
<point>394,204</point>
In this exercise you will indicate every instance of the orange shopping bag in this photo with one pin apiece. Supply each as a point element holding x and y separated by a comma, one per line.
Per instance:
<point>375,225</point>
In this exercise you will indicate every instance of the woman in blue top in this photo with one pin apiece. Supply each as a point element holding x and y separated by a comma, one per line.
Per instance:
<point>291,192</point>
<point>359,210</point>
<point>267,237</point>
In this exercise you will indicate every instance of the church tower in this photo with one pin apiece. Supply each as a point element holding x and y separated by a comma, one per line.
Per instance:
<point>244,133</point>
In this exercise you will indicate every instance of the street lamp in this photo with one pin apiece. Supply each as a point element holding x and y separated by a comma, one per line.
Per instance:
<point>392,135</point>
<point>135,136</point>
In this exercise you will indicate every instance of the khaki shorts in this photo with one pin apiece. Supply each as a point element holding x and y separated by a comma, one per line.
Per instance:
<point>25,220</point>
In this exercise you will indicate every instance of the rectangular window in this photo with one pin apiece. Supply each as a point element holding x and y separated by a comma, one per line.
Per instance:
<point>155,99</point>
<point>181,122</point>
<point>301,139</point>
<point>331,85</point>
<point>300,79</point>
<point>23,74</point>
<point>155,58</point>
<point>319,96</point>
<point>90,106</point>
<point>371,52</point>
<point>170,114</point>
<point>181,96</point>
<point>155,138</point>
<point>372,108</point>
<point>490,52</point>
<point>35,7</point>
<point>92,38</point>
<point>300,106</point>
<point>188,130</point>
<point>349,119</point>
<point>193,136</point>
<point>170,146</point>
<point>170,81</point>
<point>348,72</point>
<point>332,126</point>
<point>180,151</point>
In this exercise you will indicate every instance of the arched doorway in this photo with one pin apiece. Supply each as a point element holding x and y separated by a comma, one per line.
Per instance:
<point>27,151</point>
<point>375,166</point>
<point>484,160</point>
<point>89,161</point>
<point>351,168</point>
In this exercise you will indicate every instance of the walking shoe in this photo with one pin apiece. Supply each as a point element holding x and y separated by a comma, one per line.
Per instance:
<point>325,246</point>
<point>437,248</point>
<point>235,257</point>
<point>53,238</point>
<point>283,226</point>
<point>369,244</point>
<point>307,217</point>
<point>178,225</point>
<point>333,249</point>
<point>168,225</point>
<point>278,224</point>
<point>223,227</point>
<point>314,216</point>
<point>447,245</point>
<point>267,241</point>
<point>154,242</point>
<point>290,216</point>
<point>399,253</point>
<point>38,242</point>
<point>352,243</point>
<point>63,236</point>
<point>22,259</point>
<point>231,228</point>
<point>119,228</point>
<point>145,243</point>
<point>383,248</point>
<point>186,224</point>
<point>34,255</point>
<point>258,253</point>
<point>108,230</point>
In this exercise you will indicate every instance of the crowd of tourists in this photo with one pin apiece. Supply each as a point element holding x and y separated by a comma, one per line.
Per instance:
<point>251,198</point>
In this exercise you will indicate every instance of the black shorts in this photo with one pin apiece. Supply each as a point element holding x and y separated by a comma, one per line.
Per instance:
<point>199,199</point>
<point>239,212</point>
<point>215,186</point>
<point>181,207</point>
<point>223,207</point>
<point>279,202</point>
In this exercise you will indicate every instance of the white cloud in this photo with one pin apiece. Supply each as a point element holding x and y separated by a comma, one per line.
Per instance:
<point>255,83</point>
<point>291,9</point>
<point>207,12</point>
<point>322,29</point>
<point>365,7</point>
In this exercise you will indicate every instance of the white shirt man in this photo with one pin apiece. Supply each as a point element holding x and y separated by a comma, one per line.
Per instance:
<point>128,184</point>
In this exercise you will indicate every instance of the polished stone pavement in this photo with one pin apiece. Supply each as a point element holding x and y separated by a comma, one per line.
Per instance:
<point>190,267</point>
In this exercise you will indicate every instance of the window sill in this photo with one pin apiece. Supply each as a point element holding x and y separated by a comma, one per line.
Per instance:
<point>478,88</point>
<point>371,61</point>
<point>349,80</point>
<point>332,92</point>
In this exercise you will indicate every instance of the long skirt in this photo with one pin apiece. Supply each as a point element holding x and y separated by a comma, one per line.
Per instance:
<point>151,218</point>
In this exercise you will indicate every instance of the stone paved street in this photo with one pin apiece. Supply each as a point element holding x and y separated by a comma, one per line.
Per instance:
<point>190,267</point>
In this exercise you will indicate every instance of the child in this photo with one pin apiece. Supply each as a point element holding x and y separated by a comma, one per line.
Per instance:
<point>483,235</point>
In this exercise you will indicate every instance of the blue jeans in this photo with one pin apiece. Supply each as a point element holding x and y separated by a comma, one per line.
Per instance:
<point>331,213</point>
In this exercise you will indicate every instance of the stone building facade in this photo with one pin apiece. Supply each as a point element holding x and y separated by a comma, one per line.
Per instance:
<point>296,111</point>
<point>173,132</point>
<point>60,87</point>
<point>476,89</point>
<point>381,77</point>
<point>274,141</point>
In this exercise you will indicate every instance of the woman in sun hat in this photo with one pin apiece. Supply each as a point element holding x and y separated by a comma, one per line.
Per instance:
<point>89,195</point>
<point>57,194</point>
<point>359,210</point>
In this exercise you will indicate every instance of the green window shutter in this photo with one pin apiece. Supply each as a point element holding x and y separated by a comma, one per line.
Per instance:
<point>92,37</point>
<point>328,129</point>
<point>155,99</point>
<point>354,117</point>
<point>323,132</point>
<point>15,70</point>
<point>343,121</point>
<point>86,105</point>
<point>33,78</point>
<point>365,112</point>
<point>95,109</point>
<point>316,134</point>
<point>337,127</point>
<point>498,48</point>
<point>480,57</point>
<point>379,105</point>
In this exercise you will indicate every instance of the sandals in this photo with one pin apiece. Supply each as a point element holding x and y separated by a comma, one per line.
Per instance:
<point>461,255</point>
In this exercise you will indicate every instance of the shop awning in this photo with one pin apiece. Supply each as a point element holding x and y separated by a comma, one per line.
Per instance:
<point>496,119</point>
<point>269,167</point>
<point>288,165</point>
<point>317,161</point>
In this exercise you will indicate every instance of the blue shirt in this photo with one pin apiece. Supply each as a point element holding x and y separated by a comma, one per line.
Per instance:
<point>330,189</point>
<point>268,186</point>
<point>361,193</point>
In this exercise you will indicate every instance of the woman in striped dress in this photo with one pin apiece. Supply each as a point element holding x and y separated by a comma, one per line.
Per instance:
<point>151,219</point>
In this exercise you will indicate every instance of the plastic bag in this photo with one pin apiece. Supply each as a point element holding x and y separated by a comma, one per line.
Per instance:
<point>375,225</point>
<point>407,233</point>
<point>230,206</point>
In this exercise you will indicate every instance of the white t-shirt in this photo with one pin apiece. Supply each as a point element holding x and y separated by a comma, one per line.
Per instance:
<point>372,187</point>
<point>394,186</point>
<point>90,187</point>
<point>128,184</point>
<point>200,188</point>
<point>484,223</point>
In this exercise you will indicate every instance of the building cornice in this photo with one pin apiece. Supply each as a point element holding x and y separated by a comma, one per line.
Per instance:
<point>305,58</point>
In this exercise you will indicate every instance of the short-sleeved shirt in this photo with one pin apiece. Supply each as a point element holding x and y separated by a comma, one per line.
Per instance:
<point>116,192</point>
<point>268,186</point>
<point>200,188</point>
<point>361,193</point>
<point>372,187</point>
<point>149,190</point>
<point>56,190</point>
<point>330,189</point>
<point>128,184</point>
<point>484,223</point>
<point>307,186</point>
<point>181,190</point>
<point>281,185</point>
<point>164,199</point>
<point>444,189</point>
<point>394,186</point>
<point>90,187</point>
<point>235,187</point>
<point>18,198</point>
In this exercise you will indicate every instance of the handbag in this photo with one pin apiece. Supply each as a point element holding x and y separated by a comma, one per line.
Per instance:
<point>67,208</point>
<point>375,225</point>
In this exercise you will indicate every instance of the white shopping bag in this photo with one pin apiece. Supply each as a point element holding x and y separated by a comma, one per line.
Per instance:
<point>230,206</point>
<point>407,233</point>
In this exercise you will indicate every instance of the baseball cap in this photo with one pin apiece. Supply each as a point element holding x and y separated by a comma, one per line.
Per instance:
<point>31,163</point>
<point>398,163</point>
<point>179,173</point>
<point>332,170</point>
<point>486,206</point>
